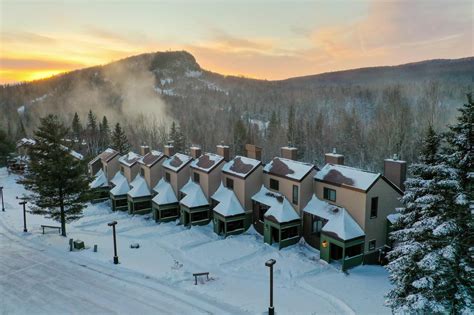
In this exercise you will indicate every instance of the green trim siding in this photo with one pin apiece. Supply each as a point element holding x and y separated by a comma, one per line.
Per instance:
<point>133,201</point>
<point>219,220</point>
<point>267,233</point>
<point>158,212</point>
<point>100,194</point>
<point>114,199</point>
<point>186,215</point>
<point>346,263</point>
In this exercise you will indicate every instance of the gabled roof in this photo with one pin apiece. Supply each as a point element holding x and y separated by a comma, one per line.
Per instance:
<point>194,195</point>
<point>207,162</point>
<point>241,166</point>
<point>100,180</point>
<point>228,205</point>
<point>339,221</point>
<point>129,159</point>
<point>94,160</point>
<point>340,175</point>
<point>136,180</point>
<point>121,188</point>
<point>177,162</point>
<point>108,155</point>
<point>290,169</point>
<point>280,209</point>
<point>25,141</point>
<point>151,158</point>
<point>165,193</point>
<point>118,177</point>
<point>139,188</point>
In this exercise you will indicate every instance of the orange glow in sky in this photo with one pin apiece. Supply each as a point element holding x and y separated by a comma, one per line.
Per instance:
<point>261,39</point>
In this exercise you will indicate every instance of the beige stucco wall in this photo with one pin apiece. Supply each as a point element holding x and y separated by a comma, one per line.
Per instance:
<point>253,183</point>
<point>130,172</point>
<point>111,168</point>
<point>305,189</point>
<point>376,229</point>
<point>153,174</point>
<point>353,201</point>
<point>182,178</point>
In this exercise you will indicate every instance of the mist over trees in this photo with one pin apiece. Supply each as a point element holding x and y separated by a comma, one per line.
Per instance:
<point>367,114</point>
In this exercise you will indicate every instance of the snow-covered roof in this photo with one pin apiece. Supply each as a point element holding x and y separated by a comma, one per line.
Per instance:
<point>241,166</point>
<point>25,141</point>
<point>118,177</point>
<point>228,205</point>
<point>139,188</point>
<point>177,162</point>
<point>207,162</point>
<point>129,159</point>
<point>94,160</point>
<point>76,154</point>
<point>121,188</point>
<point>288,168</point>
<point>393,217</point>
<point>339,221</point>
<point>194,195</point>
<point>165,193</point>
<point>108,154</point>
<point>151,158</point>
<point>340,175</point>
<point>280,208</point>
<point>100,180</point>
<point>136,180</point>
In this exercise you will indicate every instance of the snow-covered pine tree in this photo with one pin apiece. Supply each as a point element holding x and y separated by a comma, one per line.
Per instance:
<point>459,154</point>
<point>119,140</point>
<point>58,182</point>
<point>421,263</point>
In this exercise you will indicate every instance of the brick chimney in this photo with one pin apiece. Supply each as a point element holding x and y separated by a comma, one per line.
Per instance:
<point>289,152</point>
<point>334,158</point>
<point>169,149</point>
<point>144,150</point>
<point>224,151</point>
<point>253,151</point>
<point>195,151</point>
<point>395,170</point>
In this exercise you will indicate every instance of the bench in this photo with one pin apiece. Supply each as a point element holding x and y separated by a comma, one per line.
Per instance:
<point>196,275</point>
<point>51,227</point>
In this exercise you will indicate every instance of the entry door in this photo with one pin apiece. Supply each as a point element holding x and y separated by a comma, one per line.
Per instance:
<point>336,252</point>
<point>275,235</point>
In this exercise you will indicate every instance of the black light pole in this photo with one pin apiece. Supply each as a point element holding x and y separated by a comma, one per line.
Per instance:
<point>270,264</point>
<point>112,224</point>
<point>1,193</point>
<point>24,216</point>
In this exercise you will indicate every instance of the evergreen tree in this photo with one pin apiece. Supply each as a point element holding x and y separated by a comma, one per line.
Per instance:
<point>119,140</point>
<point>273,127</point>
<point>104,132</point>
<point>459,153</point>
<point>76,127</point>
<point>291,132</point>
<point>58,182</point>
<point>6,147</point>
<point>92,133</point>
<point>178,138</point>
<point>421,263</point>
<point>240,137</point>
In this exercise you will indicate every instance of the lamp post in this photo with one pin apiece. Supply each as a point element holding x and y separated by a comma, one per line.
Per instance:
<point>270,263</point>
<point>23,203</point>
<point>113,224</point>
<point>1,193</point>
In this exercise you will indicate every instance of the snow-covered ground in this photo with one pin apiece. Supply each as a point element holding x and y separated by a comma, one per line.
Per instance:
<point>168,255</point>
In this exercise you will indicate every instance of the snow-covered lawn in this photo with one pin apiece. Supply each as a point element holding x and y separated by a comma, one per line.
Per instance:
<point>170,254</point>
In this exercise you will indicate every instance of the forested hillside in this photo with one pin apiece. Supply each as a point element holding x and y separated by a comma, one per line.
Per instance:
<point>367,114</point>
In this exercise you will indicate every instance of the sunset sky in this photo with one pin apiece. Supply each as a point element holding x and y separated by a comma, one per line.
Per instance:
<point>260,39</point>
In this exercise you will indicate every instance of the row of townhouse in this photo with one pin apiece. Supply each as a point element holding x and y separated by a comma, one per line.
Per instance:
<point>342,211</point>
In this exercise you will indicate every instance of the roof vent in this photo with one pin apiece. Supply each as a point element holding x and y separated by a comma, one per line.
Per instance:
<point>395,157</point>
<point>335,210</point>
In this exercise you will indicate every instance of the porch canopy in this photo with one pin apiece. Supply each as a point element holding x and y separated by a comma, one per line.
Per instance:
<point>165,204</point>
<point>341,236</point>
<point>194,205</point>
<point>229,215</point>
<point>118,194</point>
<point>282,224</point>
<point>139,196</point>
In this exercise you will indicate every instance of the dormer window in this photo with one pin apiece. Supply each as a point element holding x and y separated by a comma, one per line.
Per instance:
<point>167,177</point>
<point>229,183</point>
<point>329,194</point>
<point>122,169</point>
<point>196,177</point>
<point>274,184</point>
<point>142,172</point>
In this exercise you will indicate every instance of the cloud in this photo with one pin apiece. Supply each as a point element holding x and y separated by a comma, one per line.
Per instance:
<point>36,64</point>
<point>7,37</point>
<point>229,42</point>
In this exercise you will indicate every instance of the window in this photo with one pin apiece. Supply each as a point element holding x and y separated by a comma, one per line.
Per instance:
<point>167,177</point>
<point>317,225</point>
<point>329,194</point>
<point>142,205</point>
<point>289,232</point>
<point>196,177</point>
<point>274,184</point>
<point>169,213</point>
<point>262,210</point>
<point>229,183</point>
<point>121,202</point>
<point>374,207</point>
<point>142,172</point>
<point>353,251</point>
<point>199,216</point>
<point>122,169</point>
<point>295,194</point>
<point>235,225</point>
<point>372,245</point>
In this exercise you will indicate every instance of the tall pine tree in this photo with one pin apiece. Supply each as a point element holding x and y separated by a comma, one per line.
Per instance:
<point>178,138</point>
<point>240,137</point>
<point>119,140</point>
<point>92,132</point>
<point>421,262</point>
<point>76,127</point>
<point>58,182</point>
<point>459,153</point>
<point>104,134</point>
